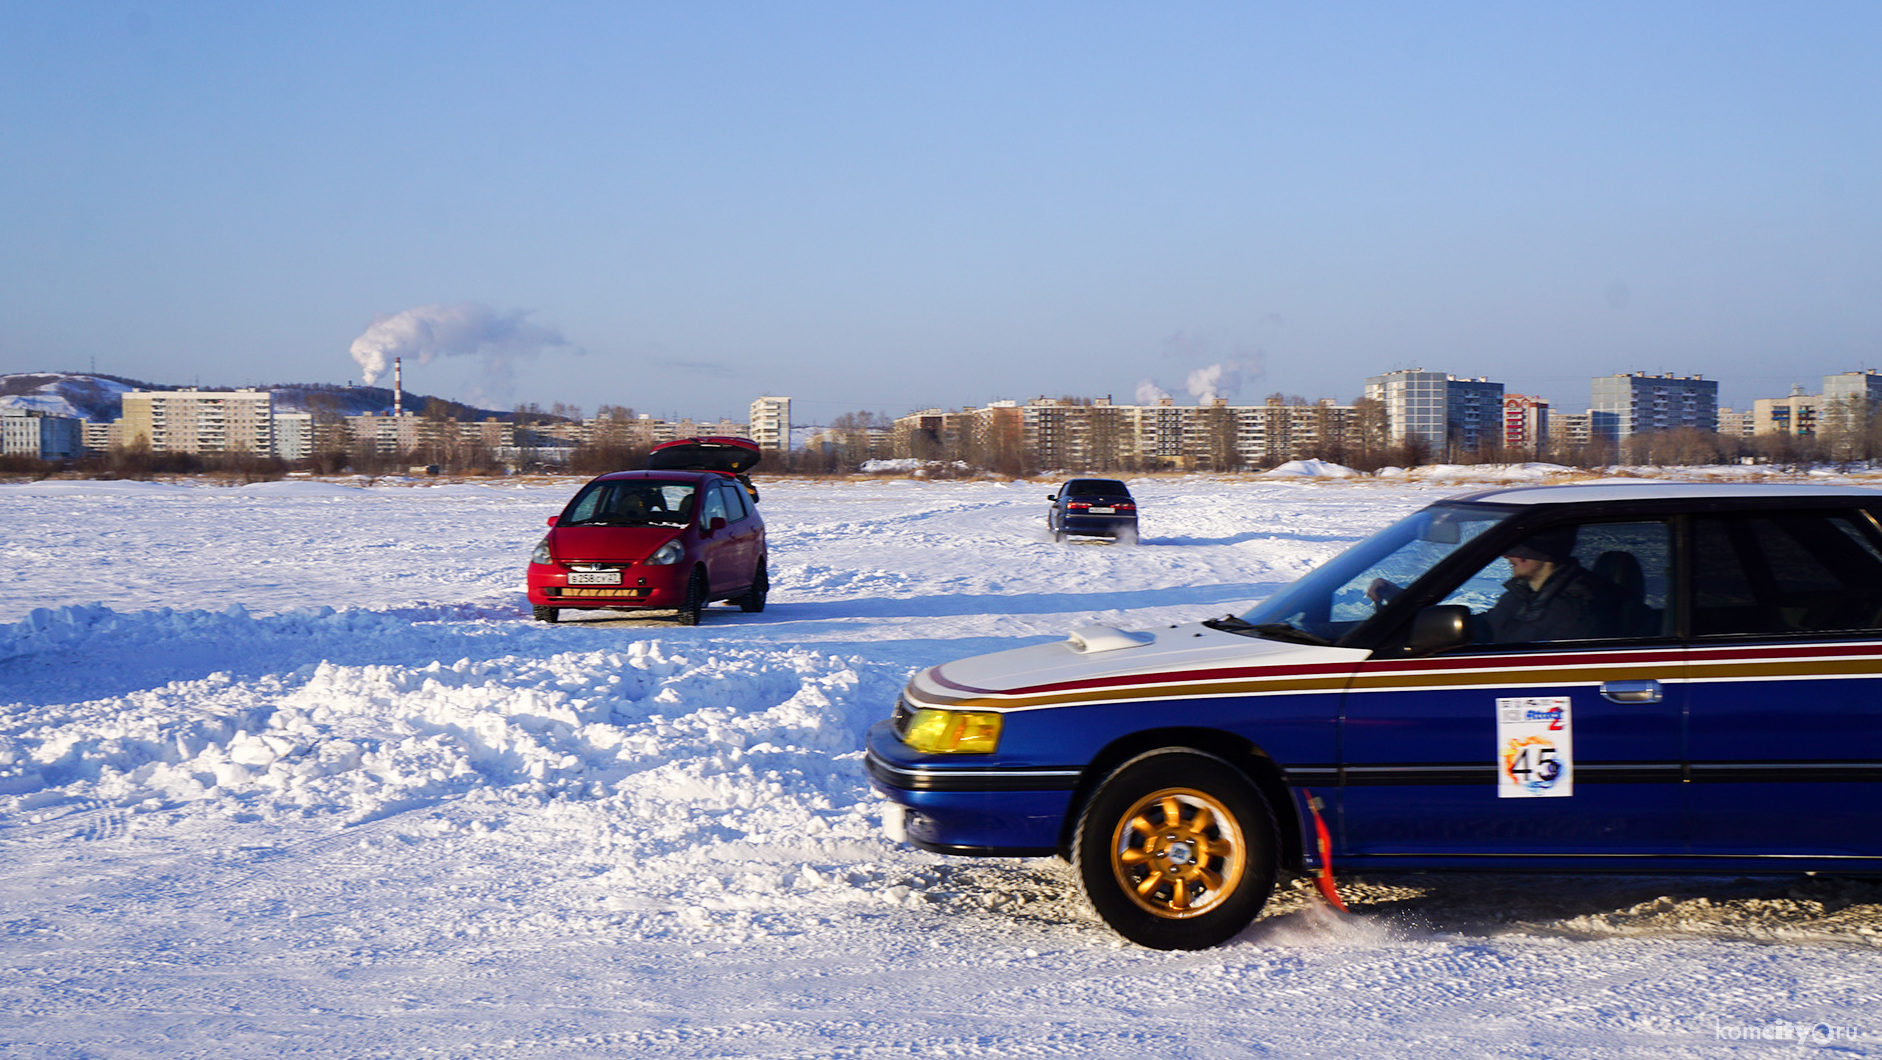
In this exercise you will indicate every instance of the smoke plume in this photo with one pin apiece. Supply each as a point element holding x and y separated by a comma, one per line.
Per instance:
<point>1216,381</point>
<point>1222,379</point>
<point>1149,393</point>
<point>467,329</point>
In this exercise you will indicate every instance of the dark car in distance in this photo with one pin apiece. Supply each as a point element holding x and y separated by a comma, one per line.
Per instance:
<point>1649,678</point>
<point>1093,507</point>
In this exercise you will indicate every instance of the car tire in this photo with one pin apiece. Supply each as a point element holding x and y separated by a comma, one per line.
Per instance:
<point>754,599</point>
<point>693,604</point>
<point>545,614</point>
<point>1176,850</point>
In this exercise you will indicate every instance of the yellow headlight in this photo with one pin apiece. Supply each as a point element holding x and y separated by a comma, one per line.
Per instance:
<point>940,732</point>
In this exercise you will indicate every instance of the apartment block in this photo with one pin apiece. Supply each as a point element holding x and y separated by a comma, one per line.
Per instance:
<point>198,421</point>
<point>1057,433</point>
<point>1639,402</point>
<point>390,435</point>
<point>1572,428</point>
<point>1795,415</point>
<point>101,436</point>
<point>1440,410</point>
<point>293,435</point>
<point>1525,423</point>
<point>1737,423</point>
<point>1850,399</point>
<point>39,434</point>
<point>770,423</point>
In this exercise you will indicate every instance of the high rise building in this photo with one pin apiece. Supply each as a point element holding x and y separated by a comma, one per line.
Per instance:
<point>1525,422</point>
<point>1850,400</point>
<point>1441,411</point>
<point>293,435</point>
<point>1638,402</point>
<point>40,434</point>
<point>199,421</point>
<point>770,424</point>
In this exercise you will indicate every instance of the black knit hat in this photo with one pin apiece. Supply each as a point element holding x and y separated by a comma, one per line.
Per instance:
<point>1550,546</point>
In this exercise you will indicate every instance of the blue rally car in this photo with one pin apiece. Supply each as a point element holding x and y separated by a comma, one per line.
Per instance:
<point>1623,677</point>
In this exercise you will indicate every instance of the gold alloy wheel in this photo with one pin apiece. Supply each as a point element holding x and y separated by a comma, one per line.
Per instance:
<point>1178,853</point>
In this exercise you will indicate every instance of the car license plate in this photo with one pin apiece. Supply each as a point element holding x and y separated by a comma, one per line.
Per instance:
<point>1104,511</point>
<point>598,577</point>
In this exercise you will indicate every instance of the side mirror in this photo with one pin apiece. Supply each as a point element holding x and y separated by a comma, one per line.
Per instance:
<point>717,524</point>
<point>1439,628</point>
<point>1052,496</point>
<point>554,519</point>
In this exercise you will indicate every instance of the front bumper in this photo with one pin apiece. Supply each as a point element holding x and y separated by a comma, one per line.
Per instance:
<point>641,585</point>
<point>966,804</point>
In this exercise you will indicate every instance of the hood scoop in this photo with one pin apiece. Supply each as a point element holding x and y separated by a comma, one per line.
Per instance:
<point>1095,638</point>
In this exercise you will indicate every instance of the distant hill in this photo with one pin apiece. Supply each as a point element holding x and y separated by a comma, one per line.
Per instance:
<point>98,397</point>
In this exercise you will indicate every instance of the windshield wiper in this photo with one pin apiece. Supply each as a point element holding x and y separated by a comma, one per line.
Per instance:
<point>1294,634</point>
<point>1271,630</point>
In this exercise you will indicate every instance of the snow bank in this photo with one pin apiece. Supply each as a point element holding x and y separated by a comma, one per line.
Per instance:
<point>701,755</point>
<point>1310,469</point>
<point>1487,472</point>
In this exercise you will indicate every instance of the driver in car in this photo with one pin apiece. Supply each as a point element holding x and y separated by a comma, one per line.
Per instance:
<point>1549,596</point>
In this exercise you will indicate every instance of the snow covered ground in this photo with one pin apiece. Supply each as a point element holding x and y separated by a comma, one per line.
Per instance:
<point>285,770</point>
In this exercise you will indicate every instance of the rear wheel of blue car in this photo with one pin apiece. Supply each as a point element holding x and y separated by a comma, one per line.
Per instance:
<point>1176,850</point>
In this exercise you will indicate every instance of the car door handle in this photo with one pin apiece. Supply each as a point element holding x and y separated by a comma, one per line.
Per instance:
<point>1631,691</point>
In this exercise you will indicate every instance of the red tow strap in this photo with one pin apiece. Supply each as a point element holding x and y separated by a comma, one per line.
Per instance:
<point>1324,878</point>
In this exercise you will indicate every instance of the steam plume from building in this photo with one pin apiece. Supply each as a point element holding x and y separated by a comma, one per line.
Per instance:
<point>466,329</point>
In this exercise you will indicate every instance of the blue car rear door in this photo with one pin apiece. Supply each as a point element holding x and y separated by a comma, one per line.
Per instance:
<point>1785,742</point>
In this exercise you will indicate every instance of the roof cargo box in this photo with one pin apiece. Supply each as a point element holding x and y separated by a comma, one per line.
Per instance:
<point>726,455</point>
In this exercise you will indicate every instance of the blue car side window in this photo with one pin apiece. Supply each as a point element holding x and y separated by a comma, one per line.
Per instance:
<point>1807,572</point>
<point>1592,581</point>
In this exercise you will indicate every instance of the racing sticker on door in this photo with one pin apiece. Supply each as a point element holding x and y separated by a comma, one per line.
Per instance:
<point>1535,748</point>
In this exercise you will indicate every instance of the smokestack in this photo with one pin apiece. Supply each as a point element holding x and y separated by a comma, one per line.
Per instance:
<point>398,386</point>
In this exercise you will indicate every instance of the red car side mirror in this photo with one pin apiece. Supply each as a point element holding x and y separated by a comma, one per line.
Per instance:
<point>717,524</point>
<point>553,519</point>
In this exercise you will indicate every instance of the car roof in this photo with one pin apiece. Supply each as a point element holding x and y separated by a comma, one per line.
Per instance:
<point>1636,490</point>
<point>659,476</point>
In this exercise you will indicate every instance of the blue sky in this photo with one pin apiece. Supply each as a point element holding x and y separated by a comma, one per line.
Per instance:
<point>884,206</point>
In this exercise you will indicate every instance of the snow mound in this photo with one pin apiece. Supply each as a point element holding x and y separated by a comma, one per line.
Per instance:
<point>1310,469</point>
<point>302,488</point>
<point>1534,471</point>
<point>723,756</point>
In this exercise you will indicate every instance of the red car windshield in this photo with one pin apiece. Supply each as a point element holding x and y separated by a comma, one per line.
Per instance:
<point>631,502</point>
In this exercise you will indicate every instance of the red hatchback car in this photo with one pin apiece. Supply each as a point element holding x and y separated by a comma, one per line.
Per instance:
<point>636,540</point>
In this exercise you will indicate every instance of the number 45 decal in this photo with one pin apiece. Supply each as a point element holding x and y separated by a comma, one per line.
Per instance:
<point>1535,748</point>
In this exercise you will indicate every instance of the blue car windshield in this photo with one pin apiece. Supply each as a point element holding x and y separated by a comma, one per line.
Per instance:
<point>1331,600</point>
